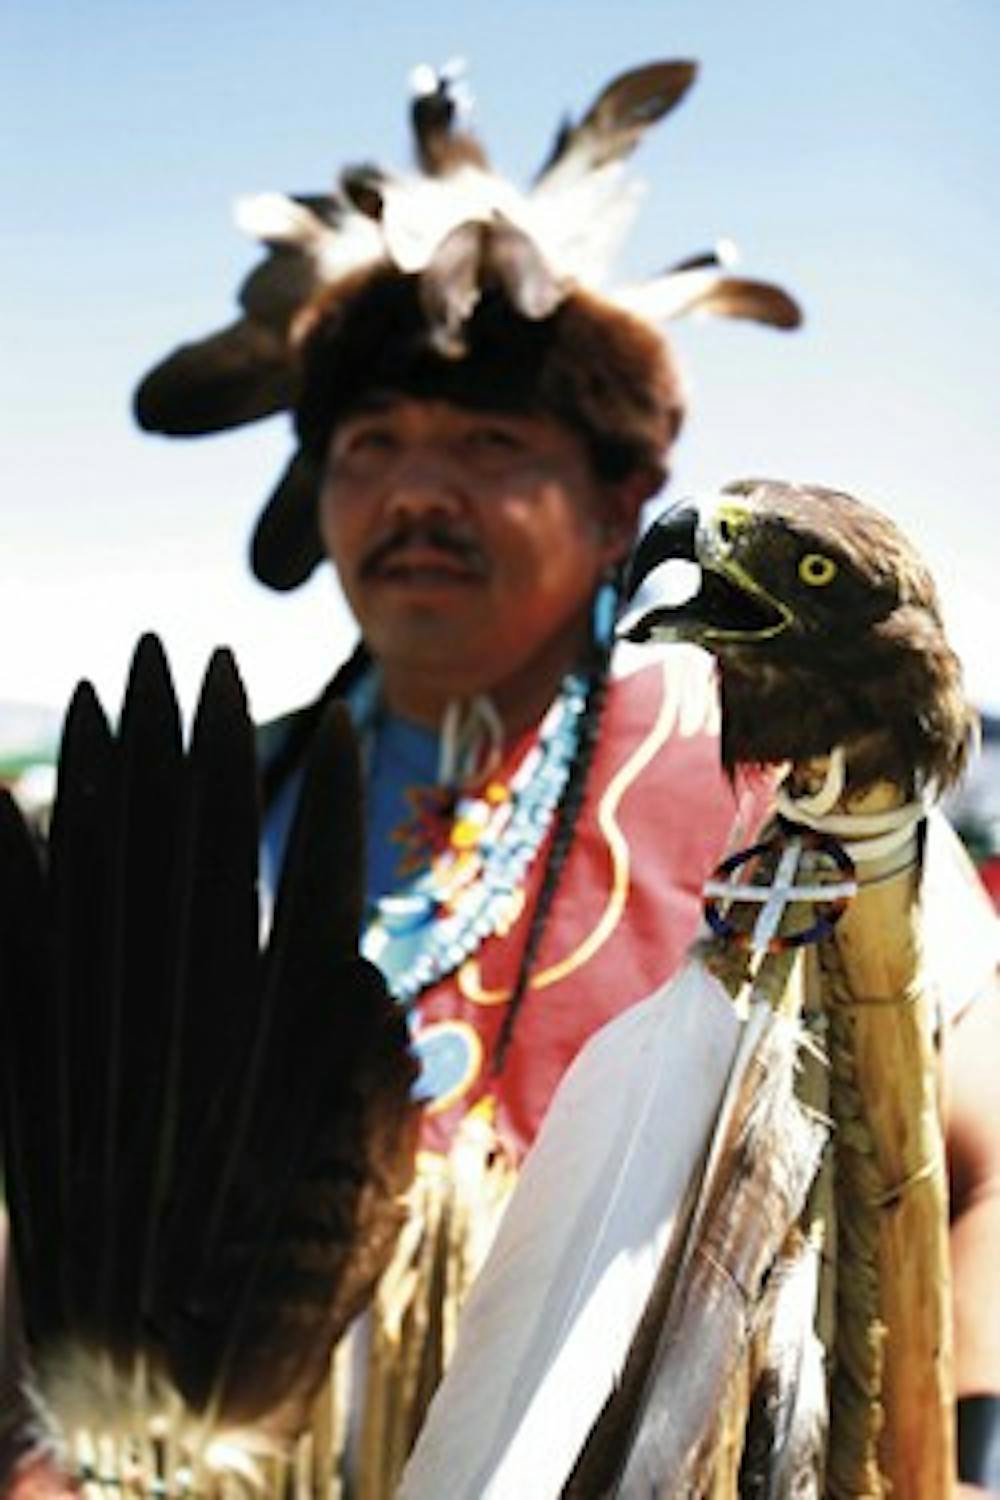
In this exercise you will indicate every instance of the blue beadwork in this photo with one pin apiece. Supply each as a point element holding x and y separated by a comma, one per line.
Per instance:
<point>604,614</point>
<point>420,934</point>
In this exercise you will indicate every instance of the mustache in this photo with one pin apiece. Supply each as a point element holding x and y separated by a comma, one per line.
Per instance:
<point>431,533</point>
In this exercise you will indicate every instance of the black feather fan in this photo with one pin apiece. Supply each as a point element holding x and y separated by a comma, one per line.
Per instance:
<point>204,1145</point>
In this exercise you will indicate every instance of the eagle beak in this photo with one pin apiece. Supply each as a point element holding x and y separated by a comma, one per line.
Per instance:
<point>729,607</point>
<point>674,535</point>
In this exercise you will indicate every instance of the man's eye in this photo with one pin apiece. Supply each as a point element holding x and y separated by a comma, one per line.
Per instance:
<point>362,453</point>
<point>494,442</point>
<point>362,448</point>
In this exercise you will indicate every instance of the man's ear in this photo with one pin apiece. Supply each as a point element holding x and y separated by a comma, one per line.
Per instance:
<point>624,499</point>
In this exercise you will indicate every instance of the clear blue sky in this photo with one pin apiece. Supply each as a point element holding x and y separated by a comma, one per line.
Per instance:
<point>852,150</point>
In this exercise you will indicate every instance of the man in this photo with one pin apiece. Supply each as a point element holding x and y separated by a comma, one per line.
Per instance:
<point>478,433</point>
<point>472,542</point>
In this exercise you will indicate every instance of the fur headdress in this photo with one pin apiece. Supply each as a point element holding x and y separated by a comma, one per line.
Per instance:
<point>451,282</point>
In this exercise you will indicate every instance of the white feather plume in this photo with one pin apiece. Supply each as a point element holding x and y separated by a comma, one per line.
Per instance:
<point>276,219</point>
<point>577,234</point>
<point>666,297</point>
<point>598,1204</point>
<point>419,212</point>
<point>583,226</point>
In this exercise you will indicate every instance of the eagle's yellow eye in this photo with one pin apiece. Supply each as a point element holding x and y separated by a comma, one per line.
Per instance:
<point>817,570</point>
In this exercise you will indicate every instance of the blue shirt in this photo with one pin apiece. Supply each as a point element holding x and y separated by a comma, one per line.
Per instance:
<point>404,755</point>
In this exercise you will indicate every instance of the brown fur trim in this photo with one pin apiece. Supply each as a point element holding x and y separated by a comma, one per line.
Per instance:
<point>597,368</point>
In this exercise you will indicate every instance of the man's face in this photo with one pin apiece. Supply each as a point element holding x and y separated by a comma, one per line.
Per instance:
<point>468,543</point>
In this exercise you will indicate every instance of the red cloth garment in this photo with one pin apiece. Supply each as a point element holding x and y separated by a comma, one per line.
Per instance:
<point>658,816</point>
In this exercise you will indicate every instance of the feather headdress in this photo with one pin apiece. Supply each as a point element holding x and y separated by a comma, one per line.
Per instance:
<point>462,241</point>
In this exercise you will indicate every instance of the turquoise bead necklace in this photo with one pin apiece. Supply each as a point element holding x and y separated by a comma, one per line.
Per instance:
<point>471,888</point>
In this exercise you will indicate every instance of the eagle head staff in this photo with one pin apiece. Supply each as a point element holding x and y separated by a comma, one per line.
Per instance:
<point>826,627</point>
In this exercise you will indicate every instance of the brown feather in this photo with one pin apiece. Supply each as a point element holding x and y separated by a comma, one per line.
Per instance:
<point>276,289</point>
<point>244,371</point>
<point>757,301</point>
<point>451,286</point>
<point>242,1122</point>
<point>616,121</point>
<point>441,147</point>
<point>286,545</point>
<point>238,375</point>
<point>514,262</point>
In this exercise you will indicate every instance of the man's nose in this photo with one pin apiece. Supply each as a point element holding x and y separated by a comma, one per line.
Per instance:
<point>423,482</point>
